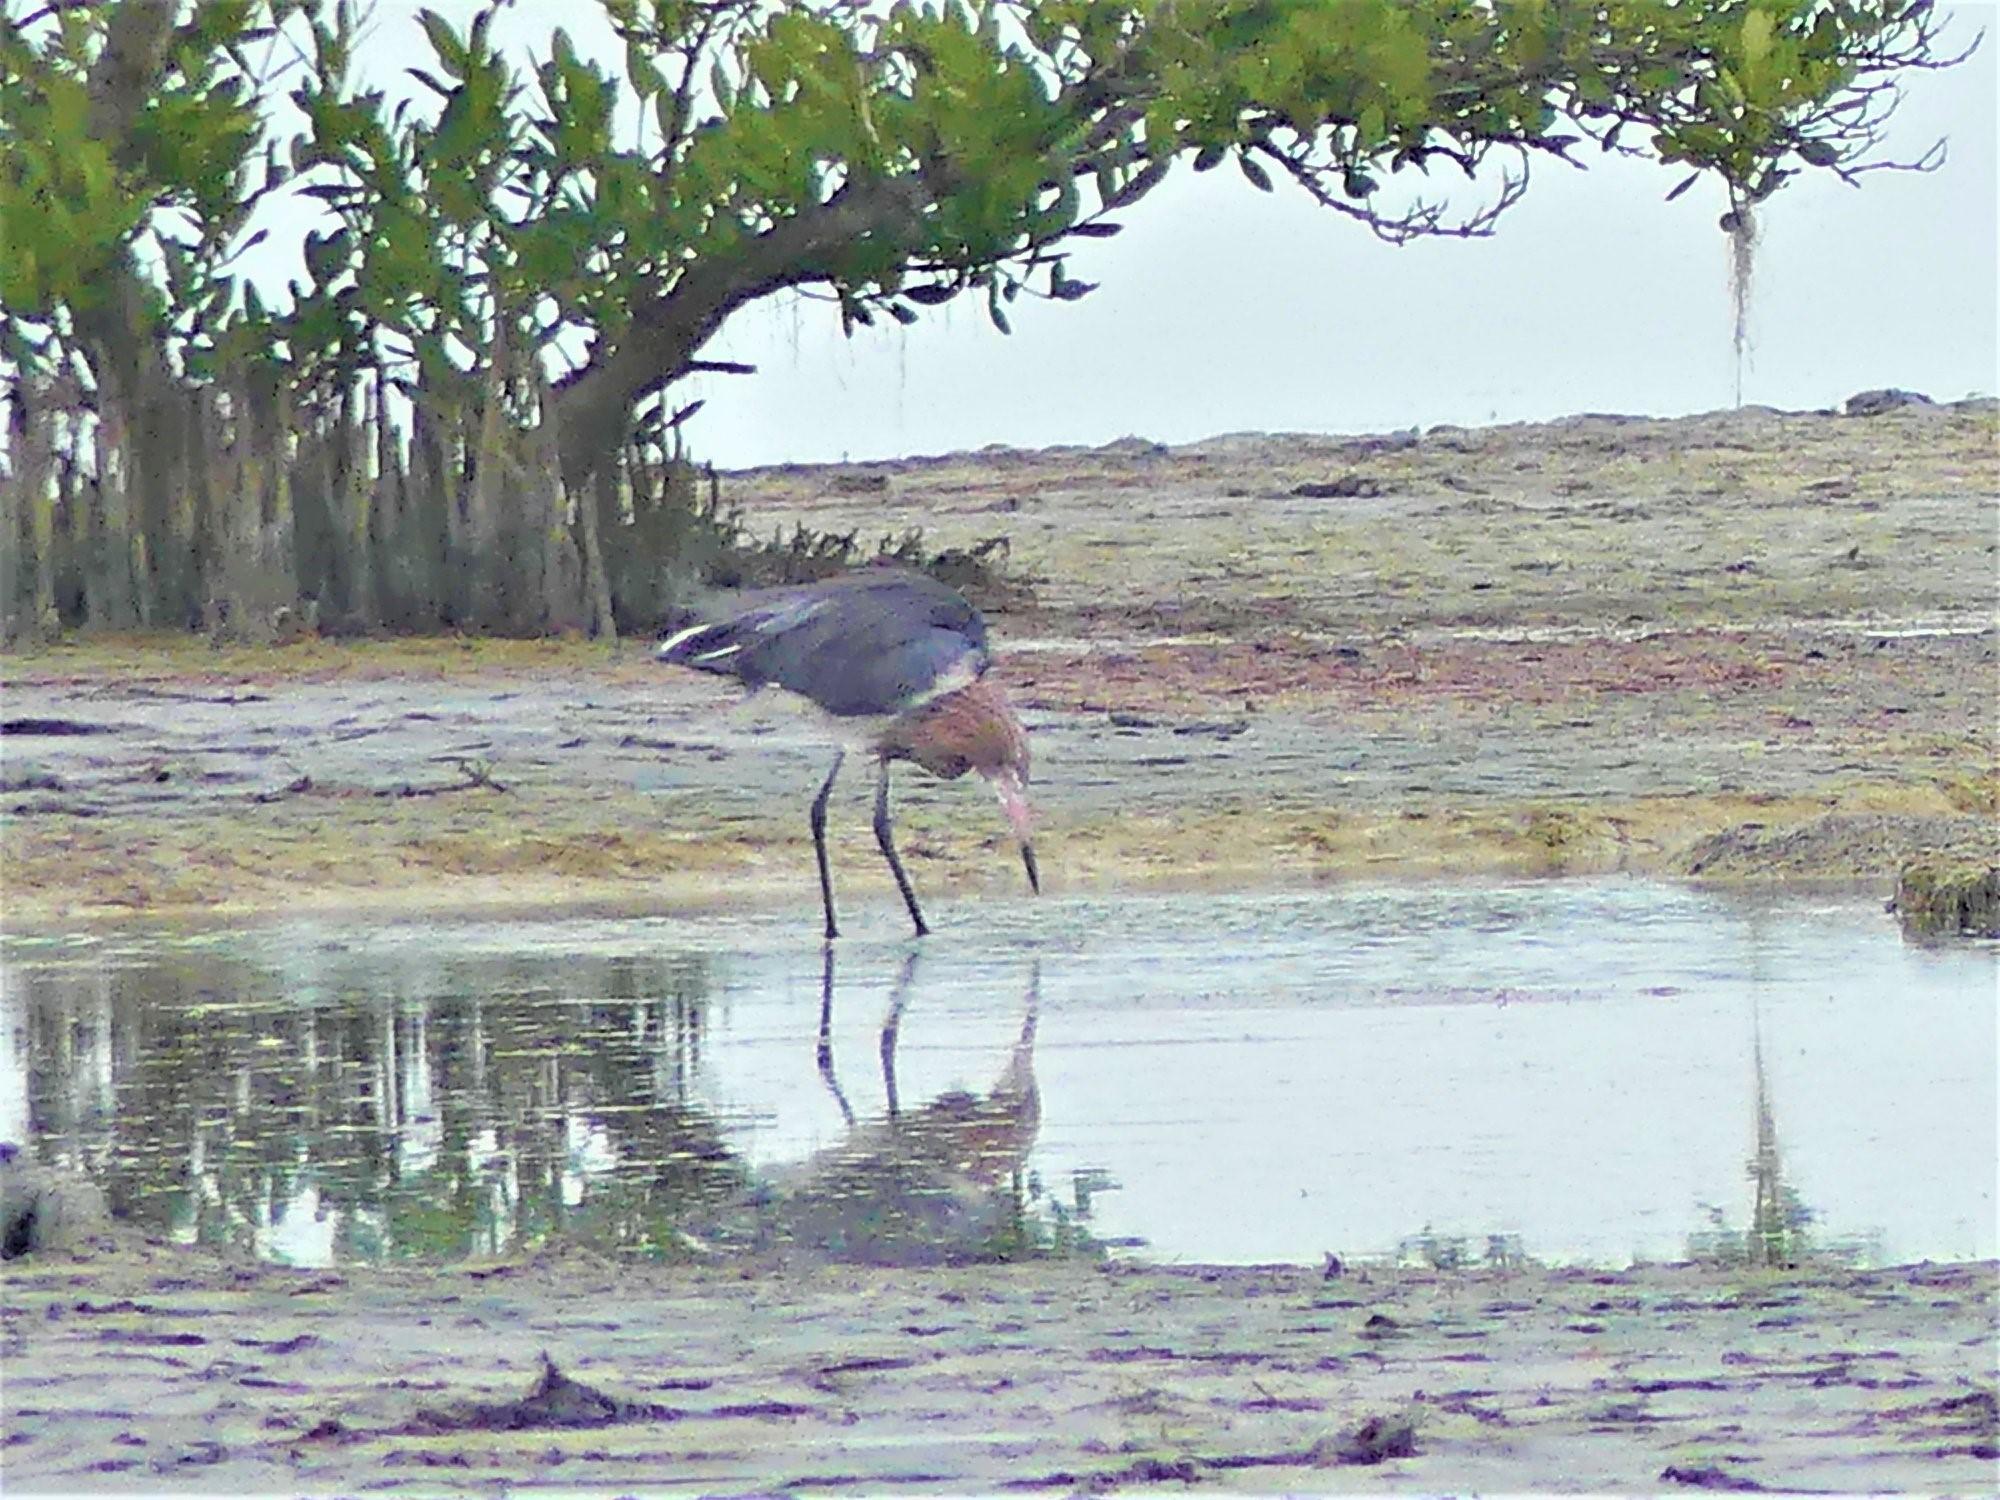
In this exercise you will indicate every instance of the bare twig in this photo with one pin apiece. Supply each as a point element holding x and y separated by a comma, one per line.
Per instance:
<point>478,774</point>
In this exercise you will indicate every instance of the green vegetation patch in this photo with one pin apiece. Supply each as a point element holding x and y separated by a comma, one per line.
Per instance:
<point>1941,896</point>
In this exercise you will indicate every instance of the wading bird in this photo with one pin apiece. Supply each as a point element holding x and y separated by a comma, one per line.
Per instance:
<point>898,660</point>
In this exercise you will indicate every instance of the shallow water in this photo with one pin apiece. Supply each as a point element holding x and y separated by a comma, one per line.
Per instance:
<point>1570,1071</point>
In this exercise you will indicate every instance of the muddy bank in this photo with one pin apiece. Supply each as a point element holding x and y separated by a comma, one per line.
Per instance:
<point>151,1370</point>
<point>1743,645</point>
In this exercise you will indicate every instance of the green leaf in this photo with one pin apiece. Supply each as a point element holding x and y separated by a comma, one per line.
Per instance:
<point>1756,35</point>
<point>444,42</point>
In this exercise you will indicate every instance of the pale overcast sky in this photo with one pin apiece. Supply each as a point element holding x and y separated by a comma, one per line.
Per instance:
<point>1225,309</point>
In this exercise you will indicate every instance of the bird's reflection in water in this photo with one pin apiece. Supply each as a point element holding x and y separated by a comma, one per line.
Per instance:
<point>941,1182</point>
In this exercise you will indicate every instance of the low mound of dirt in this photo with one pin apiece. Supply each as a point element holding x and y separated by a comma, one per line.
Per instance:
<point>1865,844</point>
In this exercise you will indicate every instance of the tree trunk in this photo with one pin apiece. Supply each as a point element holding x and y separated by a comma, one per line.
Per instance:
<point>30,505</point>
<point>590,505</point>
<point>389,554</point>
<point>179,505</point>
<point>487,602</point>
<point>204,433</point>
<point>429,520</point>
<point>108,590</point>
<point>357,506</point>
<point>277,537</point>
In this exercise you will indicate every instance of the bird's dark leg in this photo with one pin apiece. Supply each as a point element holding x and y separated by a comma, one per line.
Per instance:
<point>885,836</point>
<point>891,1026</point>
<point>826,1036</point>
<point>819,843</point>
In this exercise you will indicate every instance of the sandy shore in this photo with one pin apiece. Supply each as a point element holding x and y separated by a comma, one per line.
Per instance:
<point>150,1370</point>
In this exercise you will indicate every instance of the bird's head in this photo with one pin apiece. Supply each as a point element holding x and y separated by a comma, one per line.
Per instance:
<point>975,729</point>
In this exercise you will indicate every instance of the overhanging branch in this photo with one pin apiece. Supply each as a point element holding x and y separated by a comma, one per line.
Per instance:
<point>595,403</point>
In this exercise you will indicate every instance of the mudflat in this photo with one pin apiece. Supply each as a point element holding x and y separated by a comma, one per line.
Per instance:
<point>149,1370</point>
<point>1747,645</point>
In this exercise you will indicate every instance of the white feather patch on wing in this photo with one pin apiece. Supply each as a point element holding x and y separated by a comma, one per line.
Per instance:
<point>718,654</point>
<point>666,647</point>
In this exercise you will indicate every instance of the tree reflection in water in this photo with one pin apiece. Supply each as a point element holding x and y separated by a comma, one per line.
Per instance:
<point>1780,1230</point>
<point>482,1110</point>
<point>381,1125</point>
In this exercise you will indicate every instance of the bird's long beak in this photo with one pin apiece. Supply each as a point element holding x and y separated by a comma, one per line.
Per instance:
<point>1014,802</point>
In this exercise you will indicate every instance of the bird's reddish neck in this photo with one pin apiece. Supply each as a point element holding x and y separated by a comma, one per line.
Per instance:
<point>972,729</point>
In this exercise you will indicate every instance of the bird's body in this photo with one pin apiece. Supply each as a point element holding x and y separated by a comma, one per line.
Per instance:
<point>865,644</point>
<point>898,661</point>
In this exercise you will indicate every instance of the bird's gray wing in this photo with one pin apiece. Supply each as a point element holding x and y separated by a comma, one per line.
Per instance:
<point>861,644</point>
